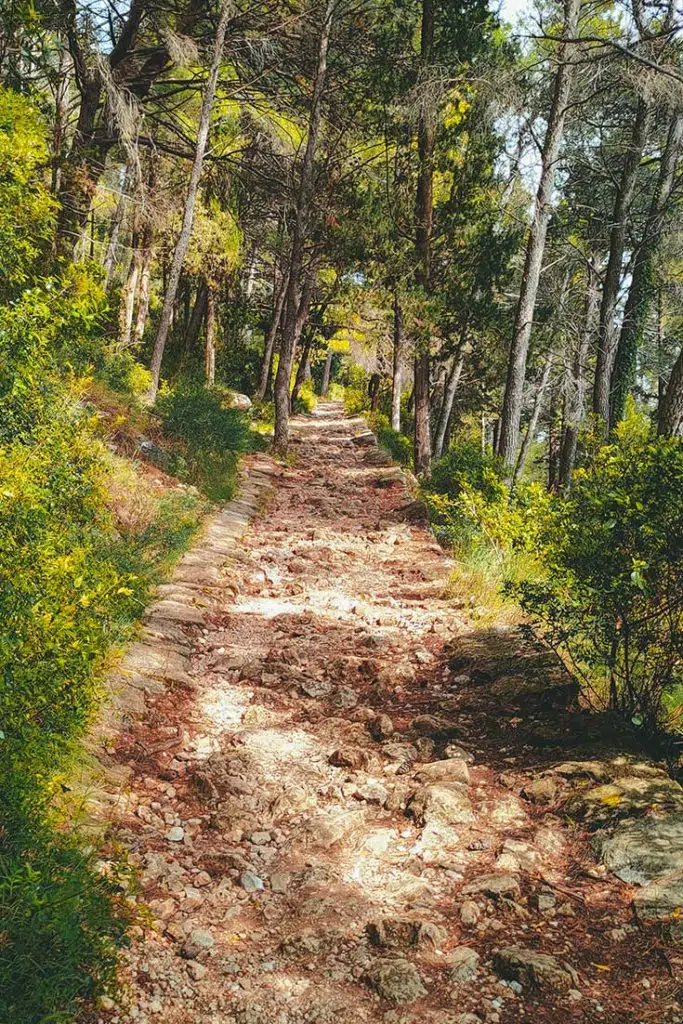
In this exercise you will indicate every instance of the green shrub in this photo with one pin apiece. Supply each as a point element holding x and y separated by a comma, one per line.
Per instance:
<point>398,445</point>
<point>62,920</point>
<point>466,465</point>
<point>355,381</point>
<point>307,399</point>
<point>214,432</point>
<point>612,597</point>
<point>26,206</point>
<point>71,584</point>
<point>123,374</point>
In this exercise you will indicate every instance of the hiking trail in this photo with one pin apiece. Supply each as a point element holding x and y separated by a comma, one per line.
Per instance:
<point>343,795</point>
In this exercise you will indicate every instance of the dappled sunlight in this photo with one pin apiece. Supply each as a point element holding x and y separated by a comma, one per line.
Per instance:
<point>352,791</point>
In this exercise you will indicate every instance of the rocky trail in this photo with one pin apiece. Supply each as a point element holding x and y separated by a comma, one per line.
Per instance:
<point>349,803</point>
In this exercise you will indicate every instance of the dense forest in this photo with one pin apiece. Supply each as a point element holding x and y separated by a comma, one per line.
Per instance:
<point>462,222</point>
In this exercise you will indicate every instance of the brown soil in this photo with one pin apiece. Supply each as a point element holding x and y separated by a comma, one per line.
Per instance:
<point>281,776</point>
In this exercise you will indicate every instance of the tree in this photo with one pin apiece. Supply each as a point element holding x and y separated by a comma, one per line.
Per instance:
<point>295,300</point>
<point>183,242</point>
<point>514,388</point>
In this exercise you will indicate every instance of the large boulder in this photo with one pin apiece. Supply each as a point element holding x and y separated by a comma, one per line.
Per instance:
<point>535,970</point>
<point>239,401</point>
<point>452,770</point>
<point>396,980</point>
<point>443,802</point>
<point>402,932</point>
<point>639,850</point>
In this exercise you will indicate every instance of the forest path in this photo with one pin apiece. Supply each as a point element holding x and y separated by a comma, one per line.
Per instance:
<point>337,832</point>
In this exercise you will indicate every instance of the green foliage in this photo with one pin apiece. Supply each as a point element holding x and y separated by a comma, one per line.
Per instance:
<point>61,919</point>
<point>72,581</point>
<point>122,373</point>
<point>398,445</point>
<point>214,432</point>
<point>469,501</point>
<point>355,382</point>
<point>612,596</point>
<point>26,207</point>
<point>307,399</point>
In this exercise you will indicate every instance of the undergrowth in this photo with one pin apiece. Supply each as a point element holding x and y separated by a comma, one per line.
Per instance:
<point>598,570</point>
<point>83,539</point>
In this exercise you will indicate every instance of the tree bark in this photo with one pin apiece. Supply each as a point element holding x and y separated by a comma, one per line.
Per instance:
<point>424,210</point>
<point>210,351</point>
<point>190,199</point>
<point>607,339</point>
<point>516,375</point>
<point>327,370</point>
<point>143,291</point>
<point>269,345</point>
<point>196,319</point>
<point>128,293</point>
<point>302,367</point>
<point>301,225</point>
<point>670,417</point>
<point>576,404</point>
<point>452,383</point>
<point>396,366</point>
<point>61,96</point>
<point>533,420</point>
<point>640,291</point>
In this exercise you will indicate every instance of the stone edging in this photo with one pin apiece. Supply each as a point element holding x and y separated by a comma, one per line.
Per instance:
<point>160,656</point>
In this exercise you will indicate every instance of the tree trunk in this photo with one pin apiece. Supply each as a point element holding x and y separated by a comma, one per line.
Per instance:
<point>128,293</point>
<point>61,95</point>
<point>424,210</point>
<point>576,404</point>
<point>610,290</point>
<point>267,362</point>
<point>117,220</point>
<point>533,420</point>
<point>396,366</point>
<point>301,229</point>
<point>210,352</point>
<point>143,291</point>
<point>553,442</point>
<point>327,370</point>
<point>516,375</point>
<point>302,367</point>
<point>640,291</point>
<point>670,417</point>
<point>190,199</point>
<point>194,325</point>
<point>452,383</point>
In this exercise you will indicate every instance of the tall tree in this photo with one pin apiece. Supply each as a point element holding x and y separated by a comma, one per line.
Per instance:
<point>294,314</point>
<point>424,213</point>
<point>607,328</point>
<point>642,286</point>
<point>183,242</point>
<point>508,437</point>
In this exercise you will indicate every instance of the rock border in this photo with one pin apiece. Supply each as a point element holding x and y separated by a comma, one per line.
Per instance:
<point>158,658</point>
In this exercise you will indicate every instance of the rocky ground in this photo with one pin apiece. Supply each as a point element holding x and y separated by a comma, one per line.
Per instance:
<point>349,804</point>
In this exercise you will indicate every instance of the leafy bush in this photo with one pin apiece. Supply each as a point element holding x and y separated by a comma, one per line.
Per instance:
<point>62,919</point>
<point>26,206</point>
<point>466,465</point>
<point>355,381</point>
<point>214,432</point>
<point>398,445</point>
<point>122,373</point>
<point>72,579</point>
<point>307,399</point>
<point>612,597</point>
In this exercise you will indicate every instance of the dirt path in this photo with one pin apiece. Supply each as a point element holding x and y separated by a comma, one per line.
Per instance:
<point>337,833</point>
